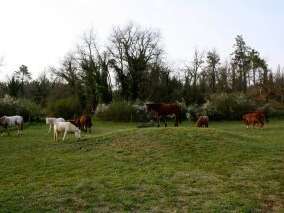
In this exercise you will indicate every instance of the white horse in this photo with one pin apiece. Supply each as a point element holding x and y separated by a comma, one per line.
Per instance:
<point>66,127</point>
<point>7,121</point>
<point>51,121</point>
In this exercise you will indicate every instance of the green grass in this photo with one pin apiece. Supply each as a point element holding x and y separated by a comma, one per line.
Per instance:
<point>226,168</point>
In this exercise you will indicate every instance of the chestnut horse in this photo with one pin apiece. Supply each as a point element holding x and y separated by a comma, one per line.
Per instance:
<point>84,122</point>
<point>202,121</point>
<point>164,110</point>
<point>254,118</point>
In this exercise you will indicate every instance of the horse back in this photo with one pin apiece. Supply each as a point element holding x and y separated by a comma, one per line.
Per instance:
<point>169,109</point>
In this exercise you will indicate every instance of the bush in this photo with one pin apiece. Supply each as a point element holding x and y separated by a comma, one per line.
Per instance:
<point>194,110</point>
<point>66,108</point>
<point>227,106</point>
<point>29,110</point>
<point>122,111</point>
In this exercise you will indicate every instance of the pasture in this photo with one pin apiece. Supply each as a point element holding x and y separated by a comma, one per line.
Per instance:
<point>123,168</point>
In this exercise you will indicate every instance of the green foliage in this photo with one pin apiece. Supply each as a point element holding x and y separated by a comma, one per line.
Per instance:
<point>66,108</point>
<point>194,111</point>
<point>228,106</point>
<point>121,111</point>
<point>13,86</point>
<point>29,110</point>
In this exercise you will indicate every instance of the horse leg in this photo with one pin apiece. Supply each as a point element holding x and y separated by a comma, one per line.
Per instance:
<point>7,129</point>
<point>261,123</point>
<point>18,130</point>
<point>55,136</point>
<point>65,133</point>
<point>165,120</point>
<point>22,127</point>
<point>176,123</point>
<point>158,121</point>
<point>49,128</point>
<point>247,123</point>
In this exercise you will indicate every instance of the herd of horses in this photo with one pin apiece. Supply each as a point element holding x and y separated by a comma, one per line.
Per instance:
<point>159,110</point>
<point>59,125</point>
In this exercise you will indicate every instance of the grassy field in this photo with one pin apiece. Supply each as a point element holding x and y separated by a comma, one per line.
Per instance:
<point>226,168</point>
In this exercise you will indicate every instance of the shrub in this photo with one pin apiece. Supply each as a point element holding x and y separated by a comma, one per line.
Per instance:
<point>121,111</point>
<point>228,106</point>
<point>194,110</point>
<point>66,108</point>
<point>11,106</point>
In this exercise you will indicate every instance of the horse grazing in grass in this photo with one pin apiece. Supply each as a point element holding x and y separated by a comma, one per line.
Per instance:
<point>51,121</point>
<point>7,121</point>
<point>84,123</point>
<point>164,110</point>
<point>66,127</point>
<point>202,121</point>
<point>254,118</point>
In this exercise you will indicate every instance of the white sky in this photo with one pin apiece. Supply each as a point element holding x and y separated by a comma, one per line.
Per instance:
<point>38,33</point>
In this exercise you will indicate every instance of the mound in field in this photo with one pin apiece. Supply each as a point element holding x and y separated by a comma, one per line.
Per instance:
<point>153,169</point>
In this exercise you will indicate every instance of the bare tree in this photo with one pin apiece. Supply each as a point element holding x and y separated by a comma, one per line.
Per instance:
<point>69,72</point>
<point>133,51</point>
<point>193,70</point>
<point>95,71</point>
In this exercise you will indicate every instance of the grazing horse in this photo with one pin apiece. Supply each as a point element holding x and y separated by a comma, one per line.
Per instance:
<point>66,127</point>
<point>202,121</point>
<point>254,118</point>
<point>51,121</point>
<point>84,122</point>
<point>164,110</point>
<point>16,120</point>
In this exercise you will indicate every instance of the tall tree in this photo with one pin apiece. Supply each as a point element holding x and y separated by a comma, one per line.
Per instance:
<point>213,59</point>
<point>41,88</point>
<point>133,51</point>
<point>241,62</point>
<point>193,73</point>
<point>68,71</point>
<point>104,82</point>
<point>23,75</point>
<point>95,72</point>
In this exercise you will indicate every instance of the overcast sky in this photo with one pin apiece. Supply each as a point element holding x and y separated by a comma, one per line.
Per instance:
<point>38,33</point>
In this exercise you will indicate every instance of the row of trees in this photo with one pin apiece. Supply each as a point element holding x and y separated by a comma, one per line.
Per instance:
<point>132,66</point>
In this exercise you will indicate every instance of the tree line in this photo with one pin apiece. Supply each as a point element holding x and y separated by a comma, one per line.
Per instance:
<point>133,67</point>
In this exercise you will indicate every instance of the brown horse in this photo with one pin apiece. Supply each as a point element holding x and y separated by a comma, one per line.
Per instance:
<point>254,118</point>
<point>164,110</point>
<point>84,123</point>
<point>202,121</point>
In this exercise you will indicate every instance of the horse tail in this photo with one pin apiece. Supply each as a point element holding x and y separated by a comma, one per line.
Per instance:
<point>266,117</point>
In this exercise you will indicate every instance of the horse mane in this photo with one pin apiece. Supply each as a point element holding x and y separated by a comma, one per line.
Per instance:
<point>74,122</point>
